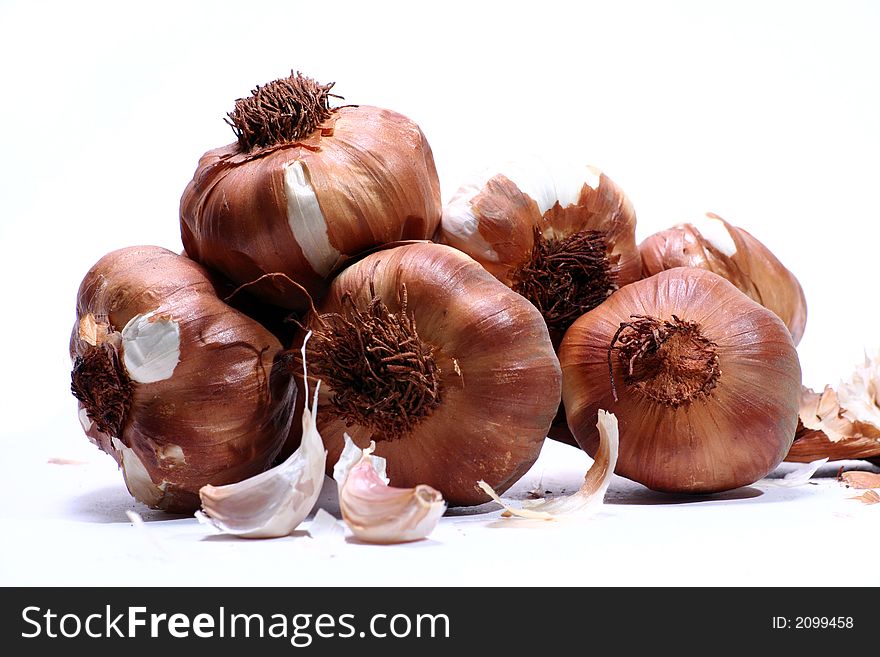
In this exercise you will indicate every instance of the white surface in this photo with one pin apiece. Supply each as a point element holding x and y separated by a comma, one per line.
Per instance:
<point>762,112</point>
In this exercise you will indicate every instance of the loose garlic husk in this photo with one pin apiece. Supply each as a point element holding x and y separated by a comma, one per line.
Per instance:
<point>305,188</point>
<point>591,493</point>
<point>451,373</point>
<point>712,244</point>
<point>841,424</point>
<point>563,236</point>
<point>704,382</point>
<point>273,503</point>
<point>181,389</point>
<point>376,512</point>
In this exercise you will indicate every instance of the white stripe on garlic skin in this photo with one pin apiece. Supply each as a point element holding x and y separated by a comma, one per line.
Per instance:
<point>591,494</point>
<point>151,347</point>
<point>376,512</point>
<point>714,231</point>
<point>307,221</point>
<point>272,504</point>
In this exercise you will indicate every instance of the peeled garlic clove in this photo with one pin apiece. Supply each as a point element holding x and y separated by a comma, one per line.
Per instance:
<point>275,502</point>
<point>377,512</point>
<point>710,243</point>
<point>591,493</point>
<point>305,187</point>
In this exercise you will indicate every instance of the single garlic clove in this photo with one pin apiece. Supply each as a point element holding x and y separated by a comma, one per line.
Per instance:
<point>275,502</point>
<point>377,512</point>
<point>591,493</point>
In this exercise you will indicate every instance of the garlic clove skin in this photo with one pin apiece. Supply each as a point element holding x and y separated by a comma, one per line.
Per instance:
<point>273,503</point>
<point>711,243</point>
<point>829,428</point>
<point>376,512</point>
<point>591,494</point>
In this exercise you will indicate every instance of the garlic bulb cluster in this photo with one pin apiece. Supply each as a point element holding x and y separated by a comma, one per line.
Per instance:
<point>447,370</point>
<point>712,244</point>
<point>305,188</point>
<point>181,389</point>
<point>843,423</point>
<point>704,381</point>
<point>562,236</point>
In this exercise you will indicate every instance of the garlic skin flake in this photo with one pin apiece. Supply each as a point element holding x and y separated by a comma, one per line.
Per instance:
<point>859,396</point>
<point>272,504</point>
<point>591,494</point>
<point>377,512</point>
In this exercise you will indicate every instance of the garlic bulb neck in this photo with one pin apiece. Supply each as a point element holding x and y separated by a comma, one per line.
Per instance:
<point>380,371</point>
<point>100,383</point>
<point>564,278</point>
<point>282,111</point>
<point>670,362</point>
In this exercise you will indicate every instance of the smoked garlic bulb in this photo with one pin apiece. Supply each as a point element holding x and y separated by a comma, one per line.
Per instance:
<point>304,188</point>
<point>562,236</point>
<point>452,374</point>
<point>181,389</point>
<point>713,244</point>
<point>705,382</point>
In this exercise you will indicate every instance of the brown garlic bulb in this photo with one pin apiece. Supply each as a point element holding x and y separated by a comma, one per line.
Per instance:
<point>181,389</point>
<point>713,244</point>
<point>305,188</point>
<point>705,382</point>
<point>562,236</point>
<point>452,374</point>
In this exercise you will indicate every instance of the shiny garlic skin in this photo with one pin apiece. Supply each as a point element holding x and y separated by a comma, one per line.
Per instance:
<point>498,382</point>
<point>715,407</point>
<point>511,218</point>
<point>211,405</point>
<point>713,244</point>
<point>363,177</point>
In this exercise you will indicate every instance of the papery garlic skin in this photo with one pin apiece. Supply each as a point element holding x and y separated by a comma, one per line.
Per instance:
<point>494,218</point>
<point>729,433</point>
<point>273,503</point>
<point>376,512</point>
<point>499,382</point>
<point>209,400</point>
<point>591,494</point>
<point>827,429</point>
<point>364,177</point>
<point>711,243</point>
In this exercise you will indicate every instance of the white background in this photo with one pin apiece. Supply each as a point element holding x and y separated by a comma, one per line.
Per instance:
<point>763,112</point>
